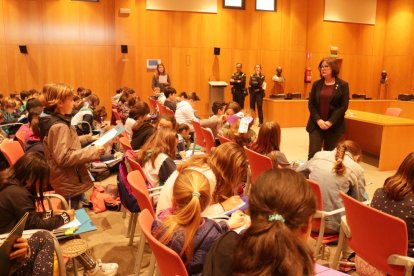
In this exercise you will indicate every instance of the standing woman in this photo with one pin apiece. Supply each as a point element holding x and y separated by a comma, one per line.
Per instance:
<point>160,78</point>
<point>328,102</point>
<point>256,91</point>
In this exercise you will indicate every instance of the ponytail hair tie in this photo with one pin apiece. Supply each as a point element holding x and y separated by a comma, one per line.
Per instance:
<point>196,194</point>
<point>276,217</point>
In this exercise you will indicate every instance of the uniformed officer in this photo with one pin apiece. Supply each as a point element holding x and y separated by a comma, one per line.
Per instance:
<point>238,80</point>
<point>257,92</point>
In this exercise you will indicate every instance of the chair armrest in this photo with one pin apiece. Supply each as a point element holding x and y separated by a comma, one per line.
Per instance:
<point>322,214</point>
<point>345,228</point>
<point>65,205</point>
<point>405,261</point>
<point>154,189</point>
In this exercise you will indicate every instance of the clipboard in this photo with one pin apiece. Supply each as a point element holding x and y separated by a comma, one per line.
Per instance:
<point>7,247</point>
<point>109,135</point>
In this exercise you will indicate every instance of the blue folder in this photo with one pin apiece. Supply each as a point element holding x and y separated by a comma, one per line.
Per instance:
<point>86,222</point>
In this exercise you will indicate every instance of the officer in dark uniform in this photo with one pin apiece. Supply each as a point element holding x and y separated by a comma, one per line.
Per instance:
<point>257,92</point>
<point>238,80</point>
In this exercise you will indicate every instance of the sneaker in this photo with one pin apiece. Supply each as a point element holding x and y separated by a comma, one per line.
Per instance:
<point>104,269</point>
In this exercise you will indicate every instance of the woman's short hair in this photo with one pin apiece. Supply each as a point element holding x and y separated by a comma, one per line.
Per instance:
<point>332,63</point>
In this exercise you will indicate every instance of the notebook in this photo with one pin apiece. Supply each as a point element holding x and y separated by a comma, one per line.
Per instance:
<point>7,246</point>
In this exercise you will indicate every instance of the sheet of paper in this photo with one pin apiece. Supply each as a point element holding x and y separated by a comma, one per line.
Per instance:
<point>162,79</point>
<point>109,135</point>
<point>73,223</point>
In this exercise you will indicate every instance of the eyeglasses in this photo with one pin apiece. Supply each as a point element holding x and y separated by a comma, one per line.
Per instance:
<point>324,66</point>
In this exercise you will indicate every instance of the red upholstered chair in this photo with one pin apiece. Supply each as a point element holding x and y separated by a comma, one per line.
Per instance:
<point>21,134</point>
<point>199,138</point>
<point>153,104</point>
<point>319,221</point>
<point>258,163</point>
<point>208,139</point>
<point>164,110</point>
<point>223,139</point>
<point>12,151</point>
<point>116,116</point>
<point>393,111</point>
<point>378,238</point>
<point>169,263</point>
<point>126,145</point>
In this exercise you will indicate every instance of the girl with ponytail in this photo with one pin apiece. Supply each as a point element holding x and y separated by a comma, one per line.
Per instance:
<point>281,206</point>
<point>183,229</point>
<point>337,171</point>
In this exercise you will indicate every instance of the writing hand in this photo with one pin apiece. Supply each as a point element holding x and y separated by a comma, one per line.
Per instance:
<point>236,220</point>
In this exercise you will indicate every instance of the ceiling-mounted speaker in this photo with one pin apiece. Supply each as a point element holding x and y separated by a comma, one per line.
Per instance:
<point>216,51</point>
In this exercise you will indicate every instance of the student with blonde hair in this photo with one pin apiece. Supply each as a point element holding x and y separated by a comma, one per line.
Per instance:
<point>225,169</point>
<point>157,156</point>
<point>63,147</point>
<point>182,227</point>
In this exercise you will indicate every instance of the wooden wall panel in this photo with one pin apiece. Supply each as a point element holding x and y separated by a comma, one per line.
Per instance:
<point>64,64</point>
<point>4,81</point>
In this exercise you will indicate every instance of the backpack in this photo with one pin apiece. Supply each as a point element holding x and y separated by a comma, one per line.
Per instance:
<point>124,189</point>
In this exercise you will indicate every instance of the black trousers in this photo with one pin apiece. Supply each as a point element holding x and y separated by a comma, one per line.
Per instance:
<point>256,98</point>
<point>238,97</point>
<point>323,139</point>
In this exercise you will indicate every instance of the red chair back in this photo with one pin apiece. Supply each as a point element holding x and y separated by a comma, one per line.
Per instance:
<point>208,139</point>
<point>258,163</point>
<point>199,138</point>
<point>168,261</point>
<point>135,166</point>
<point>375,235</point>
<point>21,134</point>
<point>223,139</point>
<point>316,222</point>
<point>393,111</point>
<point>12,151</point>
<point>126,145</point>
<point>153,104</point>
<point>140,191</point>
<point>116,114</point>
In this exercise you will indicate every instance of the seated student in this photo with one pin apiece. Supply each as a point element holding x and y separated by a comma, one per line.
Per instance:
<point>143,128</point>
<point>168,121</point>
<point>281,206</point>
<point>62,145</point>
<point>9,111</point>
<point>131,121</point>
<point>21,189</point>
<point>185,110</point>
<point>85,114</point>
<point>183,229</point>
<point>77,104</point>
<point>99,119</point>
<point>170,100</point>
<point>24,97</point>
<point>231,109</point>
<point>239,129</point>
<point>118,94</point>
<point>225,169</point>
<point>122,104</point>
<point>336,171</point>
<point>157,156</point>
<point>215,121</point>
<point>32,142</point>
<point>268,143</point>
<point>158,95</point>
<point>396,197</point>
<point>184,139</point>
<point>32,256</point>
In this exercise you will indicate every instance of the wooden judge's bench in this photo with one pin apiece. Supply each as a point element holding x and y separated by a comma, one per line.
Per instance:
<point>387,137</point>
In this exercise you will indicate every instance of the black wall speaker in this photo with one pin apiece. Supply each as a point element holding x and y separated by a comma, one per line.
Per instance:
<point>124,49</point>
<point>23,49</point>
<point>216,51</point>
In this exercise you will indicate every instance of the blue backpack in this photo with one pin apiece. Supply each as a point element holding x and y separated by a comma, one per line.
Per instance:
<point>124,189</point>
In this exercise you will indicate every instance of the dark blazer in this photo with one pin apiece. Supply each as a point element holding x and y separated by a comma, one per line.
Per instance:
<point>337,106</point>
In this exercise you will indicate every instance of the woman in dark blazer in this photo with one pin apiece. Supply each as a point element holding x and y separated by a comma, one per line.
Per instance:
<point>328,102</point>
